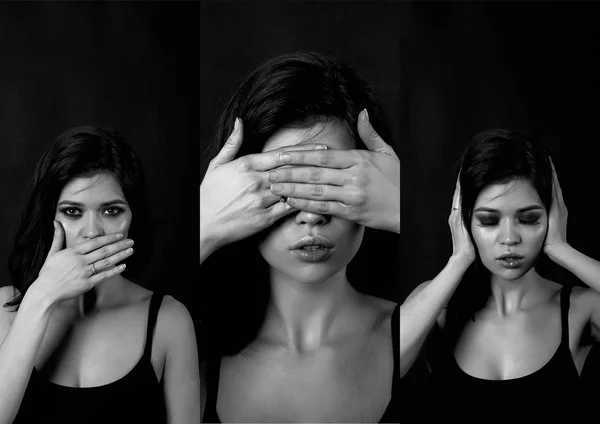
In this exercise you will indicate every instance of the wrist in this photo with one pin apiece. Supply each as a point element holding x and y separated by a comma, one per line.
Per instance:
<point>557,251</point>
<point>462,260</point>
<point>37,300</point>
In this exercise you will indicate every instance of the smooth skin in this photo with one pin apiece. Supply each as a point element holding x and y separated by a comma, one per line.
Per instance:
<point>523,306</point>
<point>239,197</point>
<point>83,256</point>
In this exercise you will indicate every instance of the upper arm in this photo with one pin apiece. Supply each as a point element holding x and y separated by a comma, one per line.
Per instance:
<point>590,302</point>
<point>181,375</point>
<point>7,315</point>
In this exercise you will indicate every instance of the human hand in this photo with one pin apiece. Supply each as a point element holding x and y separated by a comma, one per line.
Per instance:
<point>235,200</point>
<point>358,185</point>
<point>462,247</point>
<point>557,217</point>
<point>70,272</point>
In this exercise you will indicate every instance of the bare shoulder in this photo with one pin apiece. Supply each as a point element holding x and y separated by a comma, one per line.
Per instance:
<point>7,314</point>
<point>585,300</point>
<point>174,324</point>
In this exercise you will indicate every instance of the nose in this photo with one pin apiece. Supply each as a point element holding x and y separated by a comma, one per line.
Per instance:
<point>509,234</point>
<point>92,227</point>
<point>312,219</point>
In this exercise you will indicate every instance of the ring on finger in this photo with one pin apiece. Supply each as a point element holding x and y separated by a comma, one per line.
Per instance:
<point>94,269</point>
<point>283,199</point>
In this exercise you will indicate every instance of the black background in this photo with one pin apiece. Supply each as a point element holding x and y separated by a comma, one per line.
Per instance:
<point>128,66</point>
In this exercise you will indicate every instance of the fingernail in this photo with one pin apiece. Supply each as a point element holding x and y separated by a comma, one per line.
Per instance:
<point>285,157</point>
<point>366,114</point>
<point>129,251</point>
<point>118,235</point>
<point>276,188</point>
<point>236,125</point>
<point>273,176</point>
<point>129,242</point>
<point>290,201</point>
<point>321,147</point>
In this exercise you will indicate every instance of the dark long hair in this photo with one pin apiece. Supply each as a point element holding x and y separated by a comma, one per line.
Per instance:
<point>491,157</point>
<point>297,90</point>
<point>76,152</point>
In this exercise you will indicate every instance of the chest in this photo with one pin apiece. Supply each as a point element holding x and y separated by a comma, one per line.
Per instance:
<point>347,383</point>
<point>517,346</point>
<point>95,350</point>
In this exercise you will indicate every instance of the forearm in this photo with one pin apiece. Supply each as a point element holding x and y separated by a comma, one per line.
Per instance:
<point>582,266</point>
<point>18,353</point>
<point>419,313</point>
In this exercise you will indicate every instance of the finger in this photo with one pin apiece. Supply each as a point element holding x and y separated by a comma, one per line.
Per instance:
<point>320,207</point>
<point>370,137</point>
<point>309,174</point>
<point>112,260</point>
<point>339,159</point>
<point>274,158</point>
<point>58,240</point>
<point>556,184</point>
<point>96,243</point>
<point>316,192</point>
<point>108,251</point>
<point>105,275</point>
<point>277,211</point>
<point>231,146</point>
<point>456,196</point>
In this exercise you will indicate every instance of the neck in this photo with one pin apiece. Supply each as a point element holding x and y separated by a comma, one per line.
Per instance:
<point>304,315</point>
<point>103,295</point>
<point>509,296</point>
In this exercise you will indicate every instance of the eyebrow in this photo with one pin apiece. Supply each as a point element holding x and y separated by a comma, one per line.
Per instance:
<point>81,205</point>
<point>521,210</point>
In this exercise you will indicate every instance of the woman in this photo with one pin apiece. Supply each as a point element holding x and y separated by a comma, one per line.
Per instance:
<point>301,344</point>
<point>79,341</point>
<point>508,344</point>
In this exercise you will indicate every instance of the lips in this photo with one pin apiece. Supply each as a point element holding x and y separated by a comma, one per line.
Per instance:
<point>313,248</point>
<point>510,260</point>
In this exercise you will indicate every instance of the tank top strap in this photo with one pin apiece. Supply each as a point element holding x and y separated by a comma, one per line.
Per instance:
<point>155,302</point>
<point>565,302</point>
<point>396,348</point>
<point>212,392</point>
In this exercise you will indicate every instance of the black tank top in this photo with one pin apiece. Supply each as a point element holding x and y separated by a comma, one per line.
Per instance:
<point>391,414</point>
<point>135,398</point>
<point>548,395</point>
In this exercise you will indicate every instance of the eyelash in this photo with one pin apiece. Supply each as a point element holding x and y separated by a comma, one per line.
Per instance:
<point>74,213</point>
<point>524,221</point>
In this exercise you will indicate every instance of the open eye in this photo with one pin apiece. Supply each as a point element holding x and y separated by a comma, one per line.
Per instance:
<point>71,212</point>
<point>113,211</point>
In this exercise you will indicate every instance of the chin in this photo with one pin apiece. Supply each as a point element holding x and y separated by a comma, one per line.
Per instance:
<point>509,274</point>
<point>311,275</point>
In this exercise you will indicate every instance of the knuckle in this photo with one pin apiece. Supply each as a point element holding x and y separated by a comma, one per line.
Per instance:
<point>287,174</point>
<point>323,207</point>
<point>243,164</point>
<point>318,190</point>
<point>324,159</point>
<point>315,174</point>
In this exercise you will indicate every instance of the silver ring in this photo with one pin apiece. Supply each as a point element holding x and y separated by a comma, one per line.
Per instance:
<point>283,199</point>
<point>94,268</point>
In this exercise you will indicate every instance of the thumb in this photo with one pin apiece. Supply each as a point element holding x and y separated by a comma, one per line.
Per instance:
<point>58,239</point>
<point>231,147</point>
<point>370,137</point>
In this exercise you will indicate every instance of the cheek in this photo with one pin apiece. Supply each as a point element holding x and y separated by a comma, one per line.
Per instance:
<point>483,239</point>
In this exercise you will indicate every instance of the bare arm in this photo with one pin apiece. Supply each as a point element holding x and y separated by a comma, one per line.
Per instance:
<point>421,309</point>
<point>22,334</point>
<point>182,373</point>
